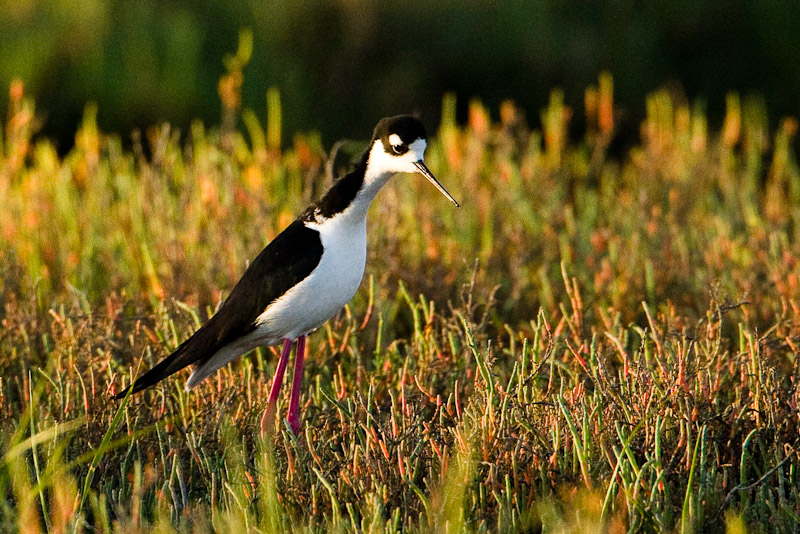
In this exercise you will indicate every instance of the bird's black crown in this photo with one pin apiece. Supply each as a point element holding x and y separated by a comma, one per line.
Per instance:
<point>408,128</point>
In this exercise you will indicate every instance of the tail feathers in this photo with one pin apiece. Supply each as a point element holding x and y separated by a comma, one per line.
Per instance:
<point>216,341</point>
<point>208,366</point>
<point>166,367</point>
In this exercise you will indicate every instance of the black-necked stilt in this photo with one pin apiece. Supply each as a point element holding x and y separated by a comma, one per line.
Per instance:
<point>305,275</point>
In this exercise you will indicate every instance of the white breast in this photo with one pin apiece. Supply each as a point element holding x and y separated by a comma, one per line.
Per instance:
<point>330,286</point>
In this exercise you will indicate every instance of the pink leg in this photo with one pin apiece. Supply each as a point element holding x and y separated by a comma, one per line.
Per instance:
<point>277,381</point>
<point>297,385</point>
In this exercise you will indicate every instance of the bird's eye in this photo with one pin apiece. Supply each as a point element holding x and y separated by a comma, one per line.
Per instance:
<point>399,149</point>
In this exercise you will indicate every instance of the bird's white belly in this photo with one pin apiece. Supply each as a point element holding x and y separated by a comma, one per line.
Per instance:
<point>331,285</point>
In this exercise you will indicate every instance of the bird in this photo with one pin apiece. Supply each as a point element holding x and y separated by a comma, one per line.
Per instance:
<point>305,275</point>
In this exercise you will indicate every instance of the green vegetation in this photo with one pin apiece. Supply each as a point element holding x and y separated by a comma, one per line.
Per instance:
<point>588,345</point>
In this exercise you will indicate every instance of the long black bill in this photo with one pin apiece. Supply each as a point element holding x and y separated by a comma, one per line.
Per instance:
<point>423,170</point>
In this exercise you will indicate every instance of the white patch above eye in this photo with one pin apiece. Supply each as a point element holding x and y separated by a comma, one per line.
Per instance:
<point>395,140</point>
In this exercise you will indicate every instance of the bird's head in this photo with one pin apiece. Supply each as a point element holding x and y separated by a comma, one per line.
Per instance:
<point>398,145</point>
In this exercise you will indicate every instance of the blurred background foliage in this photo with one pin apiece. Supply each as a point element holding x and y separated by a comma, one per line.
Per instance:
<point>340,64</point>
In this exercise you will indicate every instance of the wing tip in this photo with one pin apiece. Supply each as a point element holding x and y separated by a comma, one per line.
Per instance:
<point>136,386</point>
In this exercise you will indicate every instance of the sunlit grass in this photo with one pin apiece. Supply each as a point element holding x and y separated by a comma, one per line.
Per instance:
<point>588,345</point>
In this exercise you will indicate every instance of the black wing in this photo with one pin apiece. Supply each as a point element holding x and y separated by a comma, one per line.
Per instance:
<point>287,260</point>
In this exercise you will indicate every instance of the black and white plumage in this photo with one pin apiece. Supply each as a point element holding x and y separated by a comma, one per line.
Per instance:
<point>307,273</point>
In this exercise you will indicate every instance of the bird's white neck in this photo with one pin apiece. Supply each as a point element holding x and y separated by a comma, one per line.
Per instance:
<point>376,176</point>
